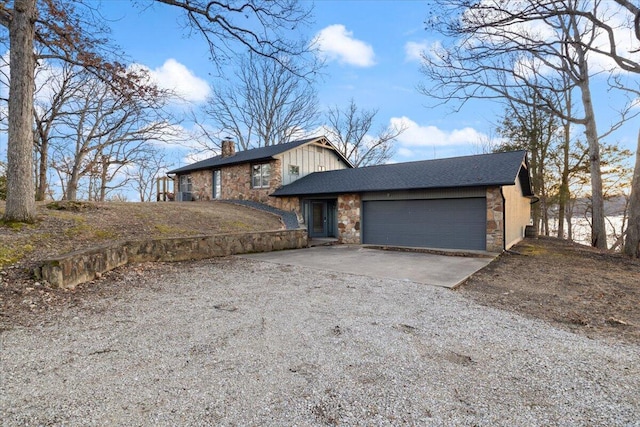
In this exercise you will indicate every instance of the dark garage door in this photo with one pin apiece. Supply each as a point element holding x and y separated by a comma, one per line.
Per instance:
<point>439,223</point>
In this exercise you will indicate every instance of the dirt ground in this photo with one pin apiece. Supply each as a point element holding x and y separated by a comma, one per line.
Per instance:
<point>65,227</point>
<point>575,287</point>
<point>572,286</point>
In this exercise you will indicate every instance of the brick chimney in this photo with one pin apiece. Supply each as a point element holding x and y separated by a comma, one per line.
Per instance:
<point>228,148</point>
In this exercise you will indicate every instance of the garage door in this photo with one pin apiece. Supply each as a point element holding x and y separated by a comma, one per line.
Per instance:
<point>439,223</point>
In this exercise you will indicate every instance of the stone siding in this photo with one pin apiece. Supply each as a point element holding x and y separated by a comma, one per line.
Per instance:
<point>495,220</point>
<point>349,217</point>
<point>69,270</point>
<point>236,183</point>
<point>288,204</point>
<point>201,185</point>
<point>202,182</point>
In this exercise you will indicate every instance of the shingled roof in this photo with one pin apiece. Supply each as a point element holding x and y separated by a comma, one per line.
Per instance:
<point>468,171</point>
<point>253,155</point>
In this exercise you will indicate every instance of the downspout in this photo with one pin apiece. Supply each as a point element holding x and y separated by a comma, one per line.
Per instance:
<point>504,220</point>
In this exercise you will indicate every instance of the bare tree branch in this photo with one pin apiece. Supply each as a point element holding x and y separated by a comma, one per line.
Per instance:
<point>500,46</point>
<point>265,28</point>
<point>349,129</point>
<point>268,105</point>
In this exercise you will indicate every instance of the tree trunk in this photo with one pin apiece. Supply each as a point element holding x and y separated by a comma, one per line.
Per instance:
<point>536,213</point>
<point>569,215</point>
<point>72,189</point>
<point>598,230</point>
<point>41,188</point>
<point>20,185</point>
<point>632,242</point>
<point>104,169</point>
<point>564,193</point>
<point>72,184</point>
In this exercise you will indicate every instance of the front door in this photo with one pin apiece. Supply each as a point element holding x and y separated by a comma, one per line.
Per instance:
<point>318,219</point>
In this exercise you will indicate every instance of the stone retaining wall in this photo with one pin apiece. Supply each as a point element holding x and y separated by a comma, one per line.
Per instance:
<point>69,270</point>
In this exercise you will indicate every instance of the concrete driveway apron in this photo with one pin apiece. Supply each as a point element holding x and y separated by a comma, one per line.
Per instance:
<point>430,269</point>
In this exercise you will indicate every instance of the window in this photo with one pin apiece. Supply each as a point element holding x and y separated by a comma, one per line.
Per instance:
<point>260,175</point>
<point>321,168</point>
<point>294,170</point>
<point>217,184</point>
<point>186,186</point>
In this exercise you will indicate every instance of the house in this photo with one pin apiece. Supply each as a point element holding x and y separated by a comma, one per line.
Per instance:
<point>255,174</point>
<point>479,202</point>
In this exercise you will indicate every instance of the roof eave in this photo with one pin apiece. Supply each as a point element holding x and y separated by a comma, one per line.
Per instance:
<point>220,165</point>
<point>373,190</point>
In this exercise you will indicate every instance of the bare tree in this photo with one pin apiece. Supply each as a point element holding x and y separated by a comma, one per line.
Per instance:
<point>59,88</point>
<point>266,28</point>
<point>148,168</point>
<point>632,241</point>
<point>349,129</point>
<point>108,129</point>
<point>267,105</point>
<point>500,46</point>
<point>20,201</point>
<point>529,127</point>
<point>263,27</point>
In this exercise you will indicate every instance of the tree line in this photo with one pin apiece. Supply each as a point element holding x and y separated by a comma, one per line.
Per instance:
<point>541,59</point>
<point>98,124</point>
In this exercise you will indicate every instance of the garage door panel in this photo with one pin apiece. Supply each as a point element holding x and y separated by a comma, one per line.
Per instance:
<point>440,223</point>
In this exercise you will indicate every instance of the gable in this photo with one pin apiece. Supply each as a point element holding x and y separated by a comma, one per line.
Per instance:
<point>307,159</point>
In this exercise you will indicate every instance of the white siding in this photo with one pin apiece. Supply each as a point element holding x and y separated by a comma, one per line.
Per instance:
<point>308,158</point>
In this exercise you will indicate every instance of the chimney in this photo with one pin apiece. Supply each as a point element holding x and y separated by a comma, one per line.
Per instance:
<point>228,147</point>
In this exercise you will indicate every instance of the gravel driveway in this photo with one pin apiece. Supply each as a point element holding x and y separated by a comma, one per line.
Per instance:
<point>240,342</point>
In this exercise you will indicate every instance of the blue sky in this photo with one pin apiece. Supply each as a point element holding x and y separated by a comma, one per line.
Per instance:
<point>372,53</point>
<point>366,44</point>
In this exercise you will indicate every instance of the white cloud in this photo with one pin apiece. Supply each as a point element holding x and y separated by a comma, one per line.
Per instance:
<point>416,136</point>
<point>171,75</point>
<point>174,76</point>
<point>413,51</point>
<point>336,43</point>
<point>405,152</point>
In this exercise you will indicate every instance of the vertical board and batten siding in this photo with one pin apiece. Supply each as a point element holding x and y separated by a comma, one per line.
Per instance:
<point>308,158</point>
<point>517,213</point>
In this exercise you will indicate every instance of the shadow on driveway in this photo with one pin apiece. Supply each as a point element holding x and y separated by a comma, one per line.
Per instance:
<point>429,269</point>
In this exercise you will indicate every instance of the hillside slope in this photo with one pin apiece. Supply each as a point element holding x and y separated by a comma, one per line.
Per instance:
<point>65,227</point>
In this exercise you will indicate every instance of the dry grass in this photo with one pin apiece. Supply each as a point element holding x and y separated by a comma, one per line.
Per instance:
<point>65,227</point>
<point>576,287</point>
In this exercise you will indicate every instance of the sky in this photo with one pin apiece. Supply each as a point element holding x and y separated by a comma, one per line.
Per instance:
<point>372,53</point>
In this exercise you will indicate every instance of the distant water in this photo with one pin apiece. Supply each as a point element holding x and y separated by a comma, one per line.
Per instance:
<point>582,229</point>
